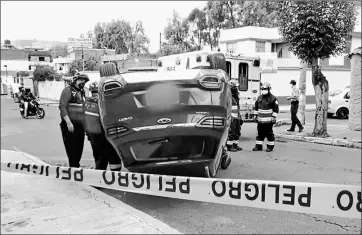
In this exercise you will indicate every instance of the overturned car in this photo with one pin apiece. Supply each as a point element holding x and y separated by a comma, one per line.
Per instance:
<point>168,123</point>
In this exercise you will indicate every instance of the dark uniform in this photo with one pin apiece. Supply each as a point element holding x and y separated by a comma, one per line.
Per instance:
<point>71,105</point>
<point>236,122</point>
<point>103,151</point>
<point>267,109</point>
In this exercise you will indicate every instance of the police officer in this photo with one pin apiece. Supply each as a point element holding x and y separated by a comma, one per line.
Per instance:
<point>236,122</point>
<point>294,103</point>
<point>267,109</point>
<point>103,151</point>
<point>72,115</point>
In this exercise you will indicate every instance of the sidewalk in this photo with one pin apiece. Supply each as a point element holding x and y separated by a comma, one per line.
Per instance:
<point>340,135</point>
<point>286,108</point>
<point>31,204</point>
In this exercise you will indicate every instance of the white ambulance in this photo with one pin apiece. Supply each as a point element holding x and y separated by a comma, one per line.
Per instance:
<point>245,69</point>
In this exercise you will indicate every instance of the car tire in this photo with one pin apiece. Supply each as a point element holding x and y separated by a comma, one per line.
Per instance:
<point>107,70</point>
<point>225,161</point>
<point>342,113</point>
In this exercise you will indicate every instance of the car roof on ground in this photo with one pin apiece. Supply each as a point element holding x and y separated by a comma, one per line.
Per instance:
<point>189,74</point>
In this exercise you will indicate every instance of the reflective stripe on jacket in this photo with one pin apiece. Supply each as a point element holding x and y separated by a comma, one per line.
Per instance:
<point>267,108</point>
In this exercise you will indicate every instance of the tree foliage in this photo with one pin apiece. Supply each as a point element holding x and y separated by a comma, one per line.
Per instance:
<point>121,36</point>
<point>43,73</point>
<point>316,29</point>
<point>91,64</point>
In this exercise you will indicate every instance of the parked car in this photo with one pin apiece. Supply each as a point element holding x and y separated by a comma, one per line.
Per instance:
<point>173,123</point>
<point>338,103</point>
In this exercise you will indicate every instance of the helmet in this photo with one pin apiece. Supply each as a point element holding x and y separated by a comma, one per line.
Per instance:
<point>293,82</point>
<point>266,85</point>
<point>80,76</point>
<point>93,87</point>
<point>27,89</point>
<point>21,88</point>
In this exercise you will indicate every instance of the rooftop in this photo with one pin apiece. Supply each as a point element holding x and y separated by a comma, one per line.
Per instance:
<point>250,32</point>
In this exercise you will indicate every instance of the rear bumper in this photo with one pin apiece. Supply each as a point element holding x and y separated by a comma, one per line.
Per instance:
<point>194,167</point>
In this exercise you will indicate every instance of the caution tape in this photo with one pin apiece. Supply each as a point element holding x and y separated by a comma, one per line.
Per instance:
<point>310,198</point>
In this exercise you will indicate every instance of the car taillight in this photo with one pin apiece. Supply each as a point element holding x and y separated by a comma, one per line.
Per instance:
<point>217,122</point>
<point>210,82</point>
<point>110,88</point>
<point>116,130</point>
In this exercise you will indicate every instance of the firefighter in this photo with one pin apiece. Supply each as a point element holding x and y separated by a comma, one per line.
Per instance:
<point>267,109</point>
<point>72,115</point>
<point>236,122</point>
<point>103,151</point>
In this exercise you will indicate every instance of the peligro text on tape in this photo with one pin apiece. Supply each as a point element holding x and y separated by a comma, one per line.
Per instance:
<point>311,198</point>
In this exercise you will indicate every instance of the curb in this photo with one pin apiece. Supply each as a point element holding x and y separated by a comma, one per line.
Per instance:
<point>326,141</point>
<point>288,111</point>
<point>111,201</point>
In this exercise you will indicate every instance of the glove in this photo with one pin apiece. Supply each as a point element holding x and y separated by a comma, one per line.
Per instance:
<point>274,120</point>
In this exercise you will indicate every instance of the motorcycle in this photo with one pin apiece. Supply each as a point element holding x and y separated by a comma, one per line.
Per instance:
<point>33,109</point>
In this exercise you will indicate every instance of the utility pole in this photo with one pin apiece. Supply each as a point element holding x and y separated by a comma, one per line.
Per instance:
<point>82,58</point>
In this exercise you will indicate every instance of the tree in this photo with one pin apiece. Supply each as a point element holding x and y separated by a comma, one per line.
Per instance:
<point>258,13</point>
<point>354,122</point>
<point>140,41</point>
<point>43,73</point>
<point>91,64</point>
<point>302,88</point>
<point>317,30</point>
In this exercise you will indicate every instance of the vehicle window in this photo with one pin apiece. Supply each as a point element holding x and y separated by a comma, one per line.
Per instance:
<point>347,96</point>
<point>228,68</point>
<point>243,76</point>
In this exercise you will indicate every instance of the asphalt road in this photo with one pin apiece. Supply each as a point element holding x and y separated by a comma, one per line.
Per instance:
<point>291,161</point>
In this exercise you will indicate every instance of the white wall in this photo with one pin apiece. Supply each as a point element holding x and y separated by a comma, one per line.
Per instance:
<point>281,87</point>
<point>356,42</point>
<point>51,89</point>
<point>246,47</point>
<point>15,65</point>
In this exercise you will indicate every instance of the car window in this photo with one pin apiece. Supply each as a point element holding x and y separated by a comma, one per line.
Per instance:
<point>347,96</point>
<point>334,93</point>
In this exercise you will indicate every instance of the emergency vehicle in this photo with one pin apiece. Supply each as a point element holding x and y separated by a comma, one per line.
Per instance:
<point>245,69</point>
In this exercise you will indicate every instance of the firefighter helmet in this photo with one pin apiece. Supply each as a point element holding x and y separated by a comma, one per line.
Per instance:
<point>266,85</point>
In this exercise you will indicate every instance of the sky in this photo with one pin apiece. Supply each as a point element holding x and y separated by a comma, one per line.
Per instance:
<point>59,20</point>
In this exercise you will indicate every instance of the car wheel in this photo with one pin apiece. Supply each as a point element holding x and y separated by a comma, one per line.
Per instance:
<point>107,70</point>
<point>342,113</point>
<point>225,161</point>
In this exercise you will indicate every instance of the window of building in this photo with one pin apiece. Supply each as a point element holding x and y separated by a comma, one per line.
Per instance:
<point>243,76</point>
<point>231,47</point>
<point>228,68</point>
<point>259,46</point>
<point>41,58</point>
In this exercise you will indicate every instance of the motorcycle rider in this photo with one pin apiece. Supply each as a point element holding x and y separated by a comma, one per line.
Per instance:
<point>103,151</point>
<point>236,122</point>
<point>267,109</point>
<point>72,118</point>
<point>24,100</point>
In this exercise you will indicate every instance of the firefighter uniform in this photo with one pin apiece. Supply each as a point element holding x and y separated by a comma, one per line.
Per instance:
<point>267,109</point>
<point>71,105</point>
<point>103,151</point>
<point>236,122</point>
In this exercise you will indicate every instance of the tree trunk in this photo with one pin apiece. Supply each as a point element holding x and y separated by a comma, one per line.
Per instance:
<point>354,122</point>
<point>321,88</point>
<point>302,88</point>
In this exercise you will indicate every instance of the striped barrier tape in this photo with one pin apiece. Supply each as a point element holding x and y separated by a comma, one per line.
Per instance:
<point>301,197</point>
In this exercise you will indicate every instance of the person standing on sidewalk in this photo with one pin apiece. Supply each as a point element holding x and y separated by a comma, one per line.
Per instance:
<point>294,102</point>
<point>103,151</point>
<point>267,109</point>
<point>72,115</point>
<point>236,122</point>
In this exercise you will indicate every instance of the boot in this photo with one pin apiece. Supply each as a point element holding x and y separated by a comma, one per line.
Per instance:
<point>257,148</point>
<point>235,146</point>
<point>231,148</point>
<point>291,130</point>
<point>301,129</point>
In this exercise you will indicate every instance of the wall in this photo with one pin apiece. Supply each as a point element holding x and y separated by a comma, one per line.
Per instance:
<point>28,82</point>
<point>281,87</point>
<point>15,65</point>
<point>51,89</point>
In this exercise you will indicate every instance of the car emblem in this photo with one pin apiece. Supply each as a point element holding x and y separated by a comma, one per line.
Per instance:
<point>163,121</point>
